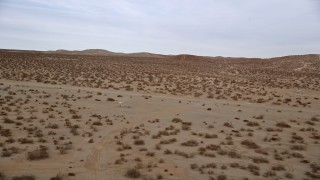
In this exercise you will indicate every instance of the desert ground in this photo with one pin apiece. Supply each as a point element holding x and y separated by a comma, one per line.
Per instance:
<point>143,116</point>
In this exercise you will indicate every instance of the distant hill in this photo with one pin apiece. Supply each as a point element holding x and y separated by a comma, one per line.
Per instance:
<point>102,52</point>
<point>181,57</point>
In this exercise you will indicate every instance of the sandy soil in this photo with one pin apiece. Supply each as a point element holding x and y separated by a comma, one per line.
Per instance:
<point>72,131</point>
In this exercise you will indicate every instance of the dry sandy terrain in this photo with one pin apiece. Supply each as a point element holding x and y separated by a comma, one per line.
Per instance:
<point>171,117</point>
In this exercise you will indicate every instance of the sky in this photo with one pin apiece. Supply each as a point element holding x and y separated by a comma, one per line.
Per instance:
<point>232,28</point>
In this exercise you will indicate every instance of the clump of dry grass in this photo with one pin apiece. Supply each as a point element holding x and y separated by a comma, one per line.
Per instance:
<point>40,153</point>
<point>133,173</point>
<point>138,142</point>
<point>250,144</point>
<point>283,125</point>
<point>183,154</point>
<point>298,147</point>
<point>190,143</point>
<point>24,177</point>
<point>259,160</point>
<point>261,116</point>
<point>110,99</point>
<point>168,141</point>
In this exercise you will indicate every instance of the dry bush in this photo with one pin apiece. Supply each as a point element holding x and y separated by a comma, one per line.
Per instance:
<point>213,147</point>
<point>75,116</point>
<point>228,124</point>
<point>269,174</point>
<point>261,116</point>
<point>259,160</point>
<point>283,125</point>
<point>254,169</point>
<point>40,153</point>
<point>262,151</point>
<point>278,167</point>
<point>252,123</point>
<point>167,151</point>
<point>25,141</point>
<point>7,152</point>
<point>210,136</point>
<point>298,147</point>
<point>183,154</point>
<point>168,141</point>
<point>5,132</point>
<point>194,166</point>
<point>8,121</point>
<point>24,177</point>
<point>250,144</point>
<point>59,176</point>
<point>138,142</point>
<point>176,120</point>
<point>289,175</point>
<point>151,154</point>
<point>190,143</point>
<point>133,173</point>
<point>52,126</point>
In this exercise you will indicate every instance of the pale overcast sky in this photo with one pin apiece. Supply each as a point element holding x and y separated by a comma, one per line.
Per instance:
<point>251,28</point>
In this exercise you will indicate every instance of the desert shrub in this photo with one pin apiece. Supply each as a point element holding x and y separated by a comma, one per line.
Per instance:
<point>74,131</point>
<point>23,177</point>
<point>269,174</point>
<point>221,177</point>
<point>151,154</point>
<point>97,123</point>
<point>254,169</point>
<point>234,165</point>
<point>71,174</point>
<point>250,144</point>
<point>5,132</point>
<point>40,153</point>
<point>25,141</point>
<point>190,143</point>
<point>176,120</point>
<point>289,175</point>
<point>213,147</point>
<point>183,154</point>
<point>167,151</point>
<point>278,167</point>
<point>259,160</point>
<point>75,116</point>
<point>2,176</point>
<point>228,124</point>
<point>261,116</point>
<point>252,123</point>
<point>194,166</point>
<point>138,142</point>
<point>314,118</point>
<point>210,136</point>
<point>298,147</point>
<point>283,125</point>
<point>52,126</point>
<point>7,120</point>
<point>110,99</point>
<point>261,151</point>
<point>133,173</point>
<point>59,176</point>
<point>168,141</point>
<point>233,154</point>
<point>185,127</point>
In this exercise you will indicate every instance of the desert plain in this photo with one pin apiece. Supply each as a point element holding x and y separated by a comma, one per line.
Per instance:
<point>81,115</point>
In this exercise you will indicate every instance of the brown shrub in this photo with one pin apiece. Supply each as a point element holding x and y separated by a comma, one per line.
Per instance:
<point>250,144</point>
<point>40,153</point>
